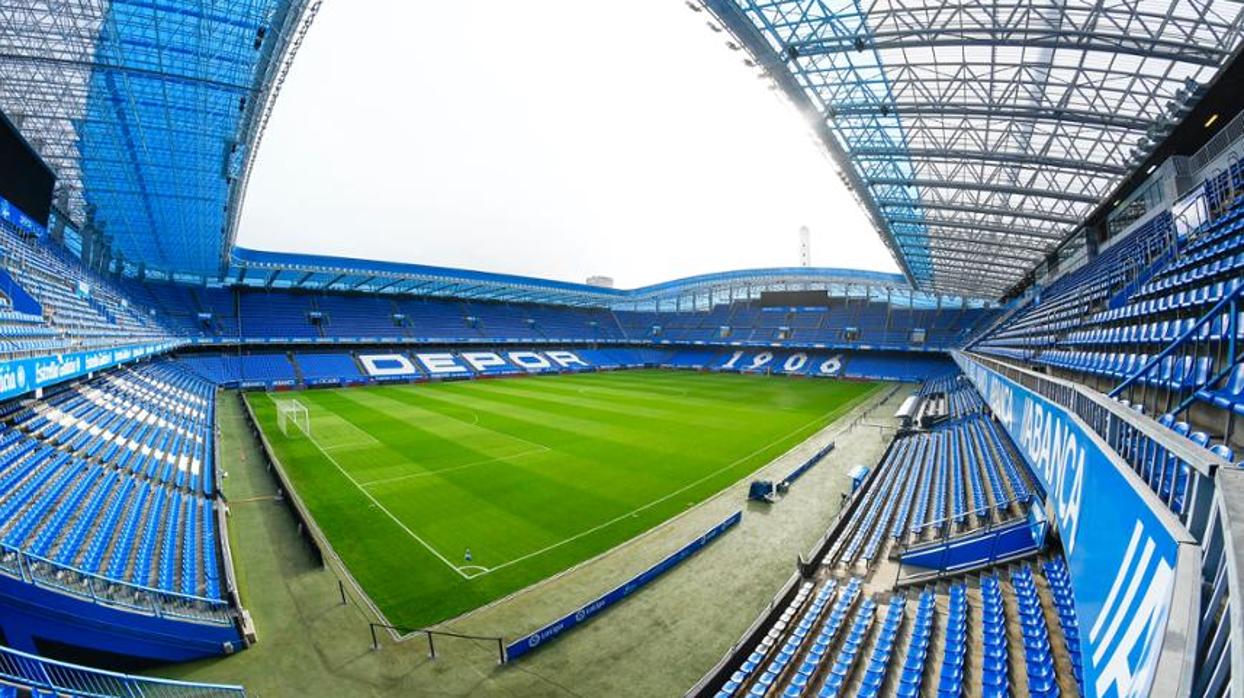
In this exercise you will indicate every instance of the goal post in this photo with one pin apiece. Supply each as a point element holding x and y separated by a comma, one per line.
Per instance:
<point>293,418</point>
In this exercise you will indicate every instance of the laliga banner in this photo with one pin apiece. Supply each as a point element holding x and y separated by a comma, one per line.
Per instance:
<point>553,630</point>
<point>1120,552</point>
<point>24,375</point>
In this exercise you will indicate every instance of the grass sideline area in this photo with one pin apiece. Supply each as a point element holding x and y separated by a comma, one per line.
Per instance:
<point>533,475</point>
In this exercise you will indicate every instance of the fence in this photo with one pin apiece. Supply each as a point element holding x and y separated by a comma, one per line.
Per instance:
<point>48,574</point>
<point>38,673</point>
<point>431,636</point>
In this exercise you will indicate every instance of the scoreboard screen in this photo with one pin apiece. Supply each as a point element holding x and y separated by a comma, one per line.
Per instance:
<point>25,181</point>
<point>773,299</point>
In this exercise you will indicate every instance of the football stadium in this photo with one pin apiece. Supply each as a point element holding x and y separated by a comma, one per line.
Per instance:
<point>1012,466</point>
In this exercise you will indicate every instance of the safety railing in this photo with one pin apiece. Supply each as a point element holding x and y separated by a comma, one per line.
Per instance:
<point>1219,645</point>
<point>402,633</point>
<point>1200,357</point>
<point>41,674</point>
<point>48,574</point>
<point>1177,470</point>
<point>948,531</point>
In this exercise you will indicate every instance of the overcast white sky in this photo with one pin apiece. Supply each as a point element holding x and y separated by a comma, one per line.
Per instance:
<point>559,138</point>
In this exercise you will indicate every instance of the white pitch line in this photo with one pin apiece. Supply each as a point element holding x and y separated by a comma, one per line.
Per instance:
<point>382,507</point>
<point>464,466</point>
<point>475,423</point>
<point>678,491</point>
<point>473,575</point>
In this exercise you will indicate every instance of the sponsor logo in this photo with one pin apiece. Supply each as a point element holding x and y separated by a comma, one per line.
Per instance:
<point>54,369</point>
<point>529,360</point>
<point>386,365</point>
<point>12,379</point>
<point>1125,667</point>
<point>441,363</point>
<point>1056,455</point>
<point>94,361</point>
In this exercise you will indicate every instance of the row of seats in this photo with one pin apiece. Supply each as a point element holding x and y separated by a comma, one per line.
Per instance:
<point>1166,474</point>
<point>874,323</point>
<point>275,313</point>
<point>954,477</point>
<point>321,368</point>
<point>990,636</point>
<point>1059,581</point>
<point>88,520</point>
<point>1067,301</point>
<point>262,314</point>
<point>1164,316</point>
<point>75,309</point>
<point>155,420</point>
<point>111,480</point>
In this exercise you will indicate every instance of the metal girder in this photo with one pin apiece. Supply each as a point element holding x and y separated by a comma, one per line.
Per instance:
<point>986,156</point>
<point>969,256</point>
<point>971,287</point>
<point>935,248</point>
<point>146,112</point>
<point>1010,112</point>
<point>1028,37</point>
<point>979,186</point>
<point>1017,231</point>
<point>991,241</point>
<point>956,285</point>
<point>983,210</point>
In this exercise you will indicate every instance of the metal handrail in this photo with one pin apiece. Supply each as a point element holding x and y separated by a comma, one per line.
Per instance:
<point>1117,425</point>
<point>1228,300</point>
<point>158,602</point>
<point>45,674</point>
<point>402,633</point>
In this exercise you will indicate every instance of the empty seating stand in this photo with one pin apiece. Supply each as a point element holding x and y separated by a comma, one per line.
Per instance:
<point>79,309</point>
<point>112,478</point>
<point>954,478</point>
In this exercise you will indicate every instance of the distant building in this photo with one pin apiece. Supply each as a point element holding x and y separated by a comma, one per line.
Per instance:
<point>600,281</point>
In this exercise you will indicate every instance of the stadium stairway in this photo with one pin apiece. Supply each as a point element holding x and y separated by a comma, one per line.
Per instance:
<point>298,375</point>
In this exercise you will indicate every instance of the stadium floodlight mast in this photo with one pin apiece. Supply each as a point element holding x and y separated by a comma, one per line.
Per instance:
<point>293,412</point>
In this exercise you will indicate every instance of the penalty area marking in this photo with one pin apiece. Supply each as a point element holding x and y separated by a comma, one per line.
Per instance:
<point>375,502</point>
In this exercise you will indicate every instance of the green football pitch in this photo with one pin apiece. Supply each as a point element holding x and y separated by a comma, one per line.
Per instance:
<point>531,475</point>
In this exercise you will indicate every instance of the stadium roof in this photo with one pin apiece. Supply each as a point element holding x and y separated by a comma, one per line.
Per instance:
<point>149,111</point>
<point>281,270</point>
<point>980,135</point>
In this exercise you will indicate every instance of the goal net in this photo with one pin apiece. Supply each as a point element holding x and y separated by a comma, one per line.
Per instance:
<point>292,418</point>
